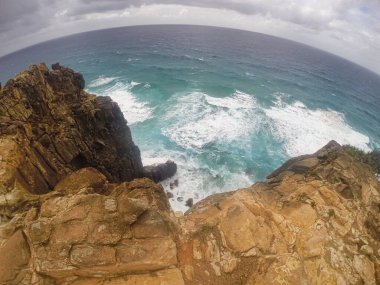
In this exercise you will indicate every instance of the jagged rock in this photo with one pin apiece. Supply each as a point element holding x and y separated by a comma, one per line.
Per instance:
<point>306,225</point>
<point>315,220</point>
<point>86,179</point>
<point>159,172</point>
<point>50,127</point>
<point>88,235</point>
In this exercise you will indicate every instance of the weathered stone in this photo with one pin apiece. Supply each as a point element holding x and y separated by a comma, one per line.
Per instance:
<point>40,231</point>
<point>14,256</point>
<point>88,179</point>
<point>162,277</point>
<point>71,232</point>
<point>365,268</point>
<point>243,230</point>
<point>86,255</point>
<point>107,232</point>
<point>150,224</point>
<point>147,254</point>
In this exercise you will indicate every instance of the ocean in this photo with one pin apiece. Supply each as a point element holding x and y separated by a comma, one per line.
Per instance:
<point>228,106</point>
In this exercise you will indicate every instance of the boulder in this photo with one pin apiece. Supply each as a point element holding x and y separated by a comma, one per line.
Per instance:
<point>159,172</point>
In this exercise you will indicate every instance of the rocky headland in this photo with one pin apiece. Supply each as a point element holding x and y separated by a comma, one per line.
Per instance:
<point>78,207</point>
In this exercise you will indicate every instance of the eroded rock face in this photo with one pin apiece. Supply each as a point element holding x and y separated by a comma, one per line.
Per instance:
<point>312,222</point>
<point>50,127</point>
<point>82,234</point>
<point>315,220</point>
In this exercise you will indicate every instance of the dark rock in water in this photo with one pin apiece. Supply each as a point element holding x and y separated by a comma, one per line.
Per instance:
<point>159,172</point>
<point>179,199</point>
<point>189,202</point>
<point>174,184</point>
<point>169,194</point>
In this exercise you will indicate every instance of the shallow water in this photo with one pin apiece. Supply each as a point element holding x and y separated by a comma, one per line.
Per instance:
<point>227,106</point>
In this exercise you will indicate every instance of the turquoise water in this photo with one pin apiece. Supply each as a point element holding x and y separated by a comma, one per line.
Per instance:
<point>227,106</point>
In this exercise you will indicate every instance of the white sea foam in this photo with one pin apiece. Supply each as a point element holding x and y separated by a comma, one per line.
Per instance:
<point>200,119</point>
<point>304,131</point>
<point>194,182</point>
<point>101,80</point>
<point>189,176</point>
<point>239,100</point>
<point>194,57</point>
<point>134,110</point>
<point>134,83</point>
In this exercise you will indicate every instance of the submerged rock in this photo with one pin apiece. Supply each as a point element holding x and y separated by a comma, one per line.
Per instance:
<point>315,220</point>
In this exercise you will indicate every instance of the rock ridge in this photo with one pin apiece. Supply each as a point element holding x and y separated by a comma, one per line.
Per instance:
<point>314,220</point>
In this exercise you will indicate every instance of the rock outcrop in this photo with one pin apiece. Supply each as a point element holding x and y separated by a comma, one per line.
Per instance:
<point>159,172</point>
<point>315,220</point>
<point>51,127</point>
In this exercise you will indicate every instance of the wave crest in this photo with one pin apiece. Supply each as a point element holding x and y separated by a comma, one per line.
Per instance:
<point>101,80</point>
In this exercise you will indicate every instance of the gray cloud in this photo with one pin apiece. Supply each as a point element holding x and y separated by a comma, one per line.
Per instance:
<point>312,14</point>
<point>354,22</point>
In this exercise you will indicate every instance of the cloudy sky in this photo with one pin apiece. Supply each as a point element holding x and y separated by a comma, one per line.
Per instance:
<point>349,28</point>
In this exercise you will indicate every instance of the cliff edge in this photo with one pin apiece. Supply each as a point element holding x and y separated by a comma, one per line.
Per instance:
<point>74,209</point>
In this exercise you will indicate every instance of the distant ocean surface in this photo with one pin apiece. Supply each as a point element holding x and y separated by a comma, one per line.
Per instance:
<point>227,106</point>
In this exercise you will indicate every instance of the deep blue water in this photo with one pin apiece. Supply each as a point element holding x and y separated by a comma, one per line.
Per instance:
<point>228,106</point>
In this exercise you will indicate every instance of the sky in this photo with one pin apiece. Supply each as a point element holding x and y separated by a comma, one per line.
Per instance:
<point>348,28</point>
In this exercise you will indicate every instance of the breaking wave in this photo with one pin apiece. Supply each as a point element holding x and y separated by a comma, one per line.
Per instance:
<point>134,110</point>
<point>303,130</point>
<point>101,80</point>
<point>201,119</point>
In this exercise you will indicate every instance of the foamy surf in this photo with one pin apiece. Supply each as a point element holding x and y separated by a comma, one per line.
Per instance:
<point>100,81</point>
<point>134,110</point>
<point>193,181</point>
<point>200,119</point>
<point>197,121</point>
<point>305,131</point>
<point>238,100</point>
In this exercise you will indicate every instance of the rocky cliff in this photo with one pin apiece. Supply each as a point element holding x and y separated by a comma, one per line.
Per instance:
<point>51,127</point>
<point>74,214</point>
